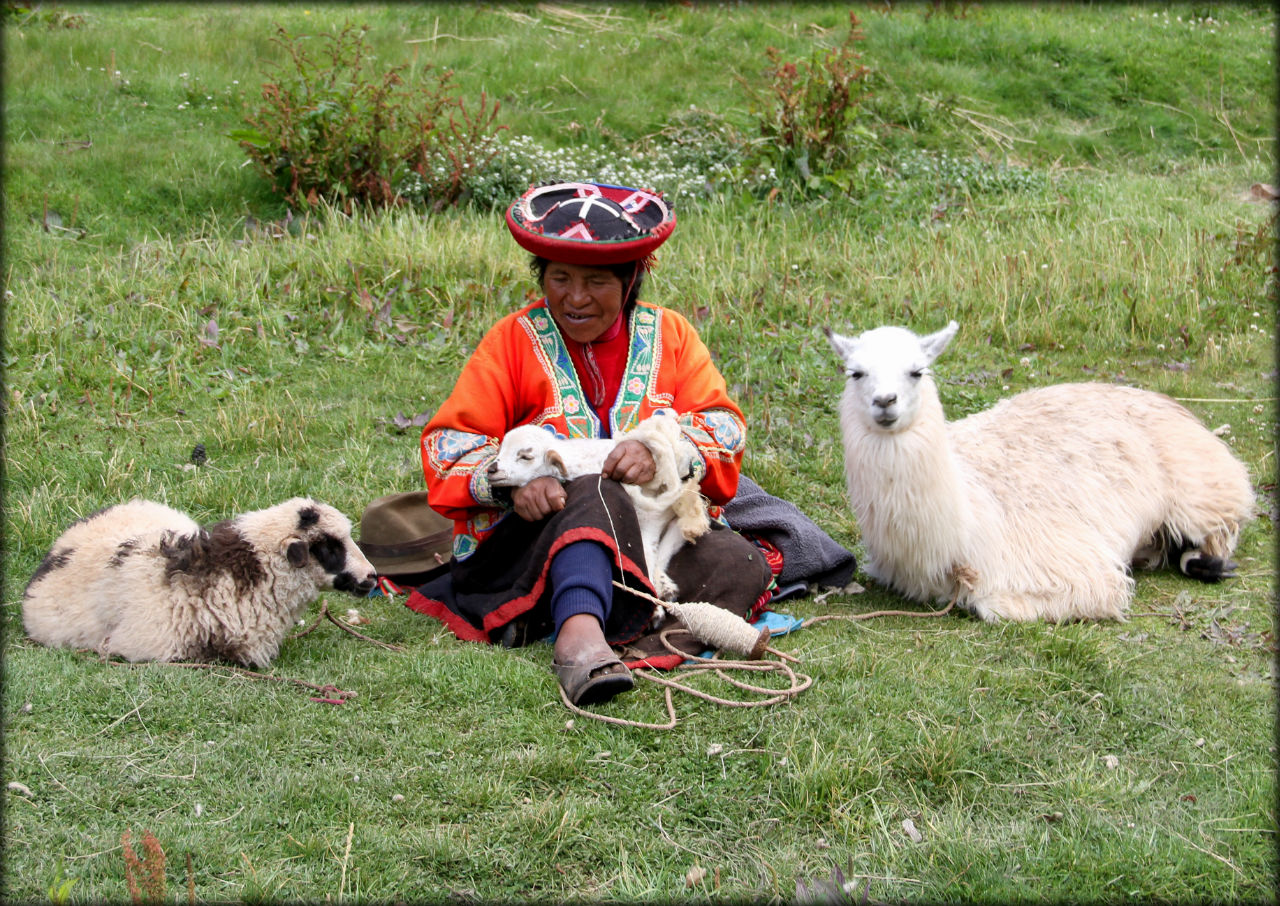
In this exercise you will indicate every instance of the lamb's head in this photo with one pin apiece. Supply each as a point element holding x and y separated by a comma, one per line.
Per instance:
<point>888,373</point>
<point>525,454</point>
<point>313,538</point>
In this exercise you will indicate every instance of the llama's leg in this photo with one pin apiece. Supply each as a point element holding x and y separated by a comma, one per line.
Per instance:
<point>1206,559</point>
<point>1198,564</point>
<point>1153,553</point>
<point>1091,591</point>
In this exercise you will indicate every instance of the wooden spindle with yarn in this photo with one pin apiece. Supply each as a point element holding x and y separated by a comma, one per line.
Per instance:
<point>720,629</point>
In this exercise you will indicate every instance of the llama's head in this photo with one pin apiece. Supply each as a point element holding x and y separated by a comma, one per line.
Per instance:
<point>525,454</point>
<point>888,371</point>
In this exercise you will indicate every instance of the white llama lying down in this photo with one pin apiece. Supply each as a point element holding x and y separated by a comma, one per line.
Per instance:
<point>147,583</point>
<point>669,506</point>
<point>1038,505</point>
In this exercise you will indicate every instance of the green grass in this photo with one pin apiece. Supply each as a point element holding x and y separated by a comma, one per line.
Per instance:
<point>1082,763</point>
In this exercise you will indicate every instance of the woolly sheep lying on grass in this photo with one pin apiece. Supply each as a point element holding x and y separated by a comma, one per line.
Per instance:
<point>147,583</point>
<point>669,507</point>
<point>1040,504</point>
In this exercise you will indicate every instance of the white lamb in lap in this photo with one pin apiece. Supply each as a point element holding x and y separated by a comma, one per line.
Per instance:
<point>669,507</point>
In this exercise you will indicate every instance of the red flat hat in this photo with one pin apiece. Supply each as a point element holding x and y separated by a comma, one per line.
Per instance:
<point>590,224</point>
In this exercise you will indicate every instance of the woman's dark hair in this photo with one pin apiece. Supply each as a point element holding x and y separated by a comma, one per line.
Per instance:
<point>631,273</point>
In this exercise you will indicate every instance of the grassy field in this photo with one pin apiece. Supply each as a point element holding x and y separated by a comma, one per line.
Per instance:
<point>148,310</point>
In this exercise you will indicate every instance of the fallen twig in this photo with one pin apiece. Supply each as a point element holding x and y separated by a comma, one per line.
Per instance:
<point>325,613</point>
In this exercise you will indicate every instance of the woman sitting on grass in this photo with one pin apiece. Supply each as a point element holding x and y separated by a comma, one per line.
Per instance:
<point>588,360</point>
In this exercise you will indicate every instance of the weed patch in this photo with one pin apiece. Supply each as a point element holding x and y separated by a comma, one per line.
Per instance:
<point>337,126</point>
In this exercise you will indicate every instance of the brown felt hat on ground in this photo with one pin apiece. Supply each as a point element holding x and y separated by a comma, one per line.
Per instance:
<point>401,534</point>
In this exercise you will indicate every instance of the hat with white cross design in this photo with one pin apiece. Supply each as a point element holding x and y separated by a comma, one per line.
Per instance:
<point>591,224</point>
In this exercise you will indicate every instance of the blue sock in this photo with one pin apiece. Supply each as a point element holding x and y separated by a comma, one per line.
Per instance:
<point>581,578</point>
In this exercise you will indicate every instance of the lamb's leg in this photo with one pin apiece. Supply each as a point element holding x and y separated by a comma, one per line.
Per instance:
<point>661,540</point>
<point>691,513</point>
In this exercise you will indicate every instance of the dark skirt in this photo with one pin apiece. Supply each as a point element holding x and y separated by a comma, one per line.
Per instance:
<point>500,593</point>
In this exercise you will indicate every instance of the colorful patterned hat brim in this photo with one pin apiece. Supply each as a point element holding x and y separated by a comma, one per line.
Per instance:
<point>590,224</point>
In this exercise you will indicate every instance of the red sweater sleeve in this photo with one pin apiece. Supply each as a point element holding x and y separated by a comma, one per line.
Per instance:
<point>463,435</point>
<point>711,420</point>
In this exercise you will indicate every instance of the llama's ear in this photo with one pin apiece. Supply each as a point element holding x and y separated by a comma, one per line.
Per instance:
<point>841,344</point>
<point>296,553</point>
<point>554,460</point>
<point>934,343</point>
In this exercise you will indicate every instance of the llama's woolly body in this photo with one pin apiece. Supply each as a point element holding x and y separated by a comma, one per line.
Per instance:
<point>669,507</point>
<point>147,583</point>
<point>1046,499</point>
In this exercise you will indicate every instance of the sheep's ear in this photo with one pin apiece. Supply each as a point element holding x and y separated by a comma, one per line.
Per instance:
<point>934,343</point>
<point>554,460</point>
<point>297,554</point>
<point>841,344</point>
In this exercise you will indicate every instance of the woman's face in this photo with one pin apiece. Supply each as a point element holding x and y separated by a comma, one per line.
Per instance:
<point>584,301</point>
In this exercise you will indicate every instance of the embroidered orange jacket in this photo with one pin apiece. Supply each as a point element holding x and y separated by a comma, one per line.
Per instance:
<point>521,373</point>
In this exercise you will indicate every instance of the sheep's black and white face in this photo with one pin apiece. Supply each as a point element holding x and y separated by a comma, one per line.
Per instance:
<point>886,368</point>
<point>522,457</point>
<point>320,542</point>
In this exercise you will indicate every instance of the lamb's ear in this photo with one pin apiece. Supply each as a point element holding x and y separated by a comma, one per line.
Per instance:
<point>841,344</point>
<point>934,343</point>
<point>297,553</point>
<point>553,459</point>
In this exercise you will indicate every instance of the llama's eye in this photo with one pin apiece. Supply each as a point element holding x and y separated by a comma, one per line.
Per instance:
<point>917,373</point>
<point>855,374</point>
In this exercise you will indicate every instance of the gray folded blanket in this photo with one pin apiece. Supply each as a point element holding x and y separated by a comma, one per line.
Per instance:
<point>809,554</point>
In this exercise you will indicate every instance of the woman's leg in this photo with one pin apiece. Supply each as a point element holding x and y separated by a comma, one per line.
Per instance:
<point>581,597</point>
<point>581,578</point>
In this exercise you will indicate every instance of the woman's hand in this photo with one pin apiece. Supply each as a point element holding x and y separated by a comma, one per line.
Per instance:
<point>631,462</point>
<point>539,499</point>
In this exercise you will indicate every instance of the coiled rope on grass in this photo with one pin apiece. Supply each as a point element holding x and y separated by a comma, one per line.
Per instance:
<point>962,576</point>
<point>797,683</point>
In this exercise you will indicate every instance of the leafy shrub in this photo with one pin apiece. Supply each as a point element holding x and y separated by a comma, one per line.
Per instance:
<point>21,15</point>
<point>340,129</point>
<point>805,112</point>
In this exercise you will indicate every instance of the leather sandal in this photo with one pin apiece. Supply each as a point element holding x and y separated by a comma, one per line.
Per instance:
<point>584,689</point>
